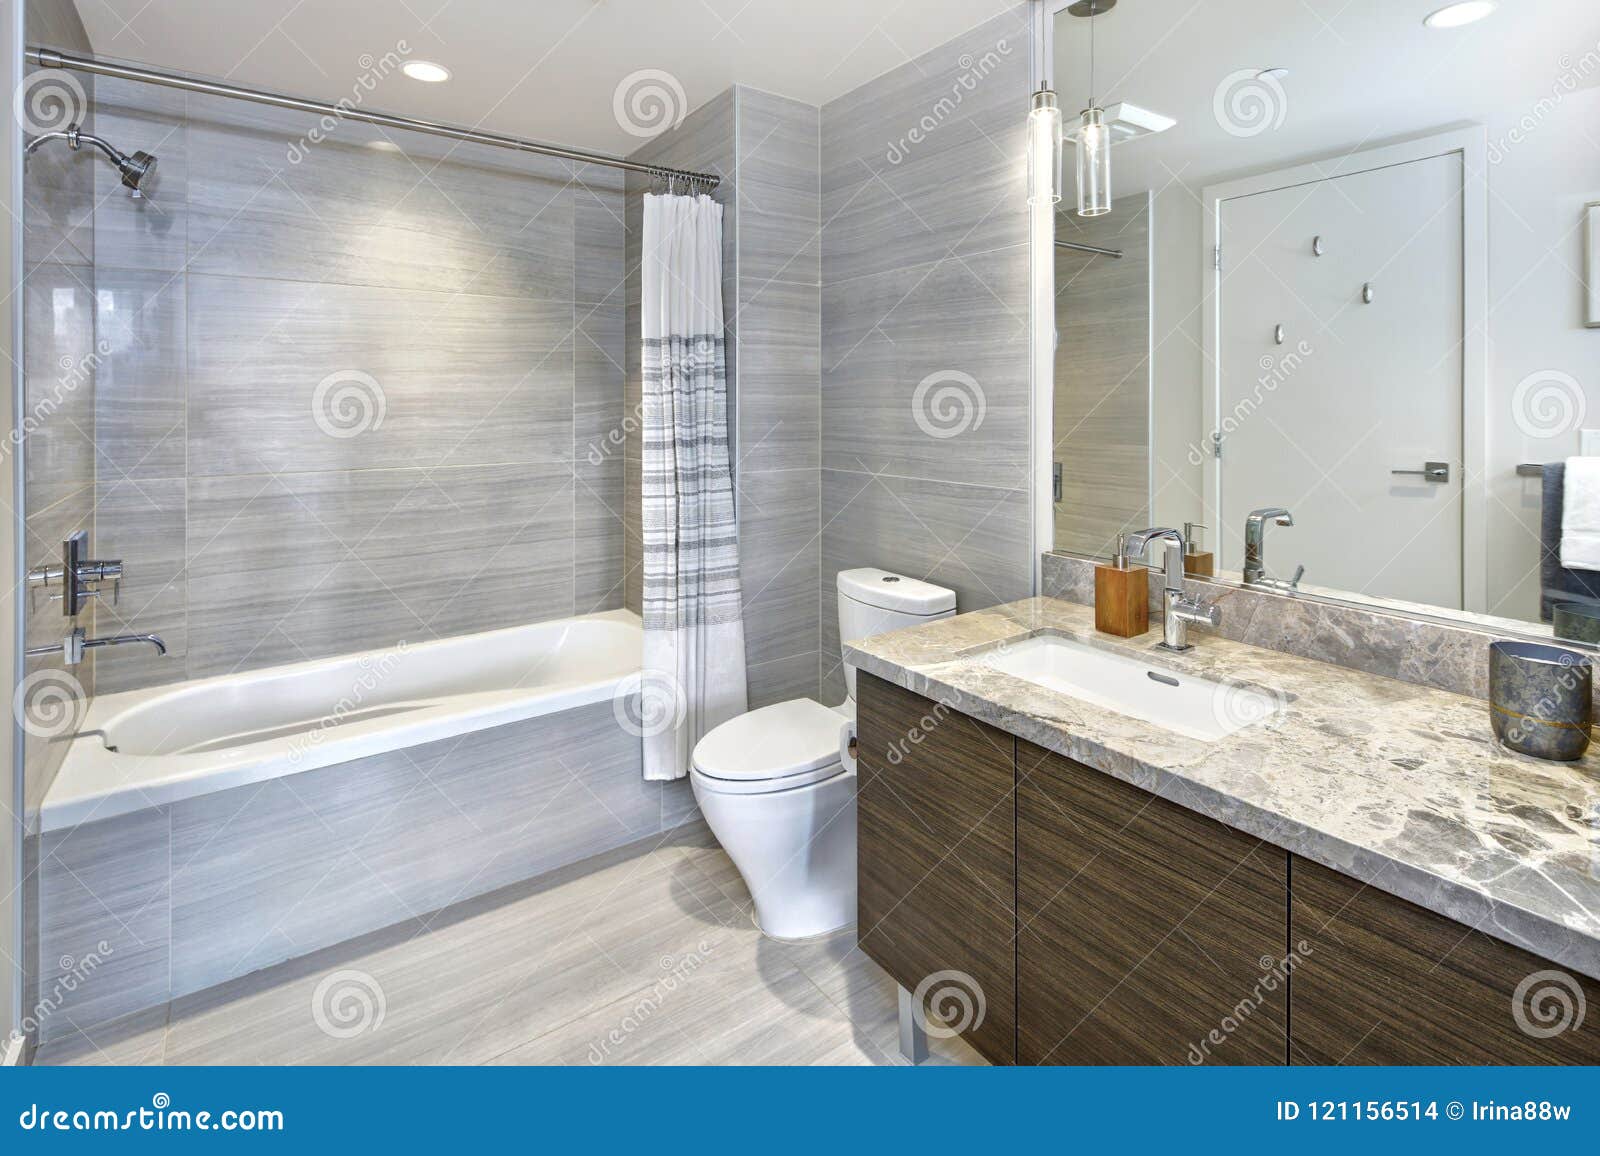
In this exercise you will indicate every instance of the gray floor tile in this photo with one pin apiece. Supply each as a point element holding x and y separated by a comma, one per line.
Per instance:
<point>644,955</point>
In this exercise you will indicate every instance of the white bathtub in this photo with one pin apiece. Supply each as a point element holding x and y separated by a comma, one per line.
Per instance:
<point>146,748</point>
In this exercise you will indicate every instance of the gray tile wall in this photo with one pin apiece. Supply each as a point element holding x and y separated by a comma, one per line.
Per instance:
<point>766,149</point>
<point>350,391</point>
<point>60,370</point>
<point>925,285</point>
<point>179,898</point>
<point>778,317</point>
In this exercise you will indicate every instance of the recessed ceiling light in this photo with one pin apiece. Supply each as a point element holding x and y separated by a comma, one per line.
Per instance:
<point>1272,74</point>
<point>383,146</point>
<point>425,70</point>
<point>1455,15</point>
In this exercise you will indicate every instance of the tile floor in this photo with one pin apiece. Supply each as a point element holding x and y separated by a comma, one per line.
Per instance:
<point>646,955</point>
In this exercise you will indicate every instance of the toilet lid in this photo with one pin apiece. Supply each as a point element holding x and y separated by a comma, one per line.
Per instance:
<point>787,739</point>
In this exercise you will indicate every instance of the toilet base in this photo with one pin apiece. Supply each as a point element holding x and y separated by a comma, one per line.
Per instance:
<point>796,850</point>
<point>755,921</point>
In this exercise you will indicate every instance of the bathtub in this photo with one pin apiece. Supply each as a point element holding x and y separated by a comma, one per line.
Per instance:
<point>198,832</point>
<point>147,748</point>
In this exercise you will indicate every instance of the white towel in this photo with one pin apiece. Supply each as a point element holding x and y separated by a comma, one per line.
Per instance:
<point>1580,514</point>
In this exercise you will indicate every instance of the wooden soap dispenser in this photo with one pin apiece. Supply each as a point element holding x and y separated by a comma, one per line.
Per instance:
<point>1197,563</point>
<point>1121,595</point>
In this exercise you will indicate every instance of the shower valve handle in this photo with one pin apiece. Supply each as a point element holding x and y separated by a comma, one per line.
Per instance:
<point>77,577</point>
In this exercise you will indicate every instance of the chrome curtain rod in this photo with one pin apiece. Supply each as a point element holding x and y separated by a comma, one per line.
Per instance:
<point>1117,253</point>
<point>51,58</point>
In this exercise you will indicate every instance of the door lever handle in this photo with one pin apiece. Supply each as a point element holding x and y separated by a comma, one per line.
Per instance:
<point>1430,471</point>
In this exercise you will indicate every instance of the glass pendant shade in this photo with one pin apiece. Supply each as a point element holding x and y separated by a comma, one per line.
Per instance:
<point>1044,149</point>
<point>1094,164</point>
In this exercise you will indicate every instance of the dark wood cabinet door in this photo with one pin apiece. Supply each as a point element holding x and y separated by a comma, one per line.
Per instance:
<point>1147,934</point>
<point>936,856</point>
<point>1383,981</point>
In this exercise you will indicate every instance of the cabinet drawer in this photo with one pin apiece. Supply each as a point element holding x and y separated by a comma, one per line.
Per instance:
<point>1388,982</point>
<point>1148,934</point>
<point>937,845</point>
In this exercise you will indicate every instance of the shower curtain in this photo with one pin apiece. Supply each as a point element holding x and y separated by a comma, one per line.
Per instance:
<point>693,624</point>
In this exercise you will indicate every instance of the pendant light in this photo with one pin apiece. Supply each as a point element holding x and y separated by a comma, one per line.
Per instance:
<point>1094,138</point>
<point>1044,148</point>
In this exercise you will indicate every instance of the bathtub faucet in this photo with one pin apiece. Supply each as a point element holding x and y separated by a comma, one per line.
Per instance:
<point>71,647</point>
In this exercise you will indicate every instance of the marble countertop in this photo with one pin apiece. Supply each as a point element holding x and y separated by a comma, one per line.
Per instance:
<point>1401,786</point>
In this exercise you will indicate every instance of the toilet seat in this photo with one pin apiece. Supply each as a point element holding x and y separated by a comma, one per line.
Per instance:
<point>776,748</point>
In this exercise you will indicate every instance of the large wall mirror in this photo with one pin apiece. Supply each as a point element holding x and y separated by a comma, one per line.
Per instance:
<point>1347,272</point>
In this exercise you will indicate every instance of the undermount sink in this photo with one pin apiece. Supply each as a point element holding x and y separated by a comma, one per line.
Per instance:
<point>1199,708</point>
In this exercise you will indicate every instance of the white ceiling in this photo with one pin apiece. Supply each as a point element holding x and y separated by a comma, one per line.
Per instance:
<point>1362,72</point>
<point>545,69</point>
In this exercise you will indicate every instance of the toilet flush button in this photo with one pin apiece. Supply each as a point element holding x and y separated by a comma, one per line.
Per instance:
<point>890,578</point>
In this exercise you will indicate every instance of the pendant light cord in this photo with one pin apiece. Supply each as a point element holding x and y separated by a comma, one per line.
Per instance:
<point>1093,11</point>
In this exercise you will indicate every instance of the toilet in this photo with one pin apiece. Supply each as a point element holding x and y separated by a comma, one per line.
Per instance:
<point>777,786</point>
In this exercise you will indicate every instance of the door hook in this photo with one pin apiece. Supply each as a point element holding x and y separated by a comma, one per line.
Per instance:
<point>1277,335</point>
<point>1366,293</point>
<point>1316,245</point>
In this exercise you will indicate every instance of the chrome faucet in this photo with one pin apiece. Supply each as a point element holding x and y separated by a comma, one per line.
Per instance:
<point>80,578</point>
<point>1255,541</point>
<point>71,647</point>
<point>1178,611</point>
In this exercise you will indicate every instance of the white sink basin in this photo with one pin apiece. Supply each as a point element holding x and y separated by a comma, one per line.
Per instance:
<point>1196,707</point>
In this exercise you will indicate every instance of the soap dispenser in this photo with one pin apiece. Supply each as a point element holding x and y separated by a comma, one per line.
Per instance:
<point>1197,563</point>
<point>1121,595</point>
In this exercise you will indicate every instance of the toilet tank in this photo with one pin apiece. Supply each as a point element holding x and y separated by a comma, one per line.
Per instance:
<point>873,601</point>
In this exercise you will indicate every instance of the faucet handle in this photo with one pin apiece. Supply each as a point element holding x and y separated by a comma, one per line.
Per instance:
<point>96,571</point>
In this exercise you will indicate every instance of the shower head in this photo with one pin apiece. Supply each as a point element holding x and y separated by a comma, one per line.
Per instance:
<point>135,169</point>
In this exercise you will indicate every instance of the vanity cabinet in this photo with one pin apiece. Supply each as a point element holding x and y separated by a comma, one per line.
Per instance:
<point>1144,927</point>
<point>1387,982</point>
<point>1106,925</point>
<point>936,876</point>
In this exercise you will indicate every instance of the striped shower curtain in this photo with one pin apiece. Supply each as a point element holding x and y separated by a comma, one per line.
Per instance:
<point>693,625</point>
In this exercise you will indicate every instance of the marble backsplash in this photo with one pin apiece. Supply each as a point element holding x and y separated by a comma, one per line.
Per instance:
<point>1414,650</point>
